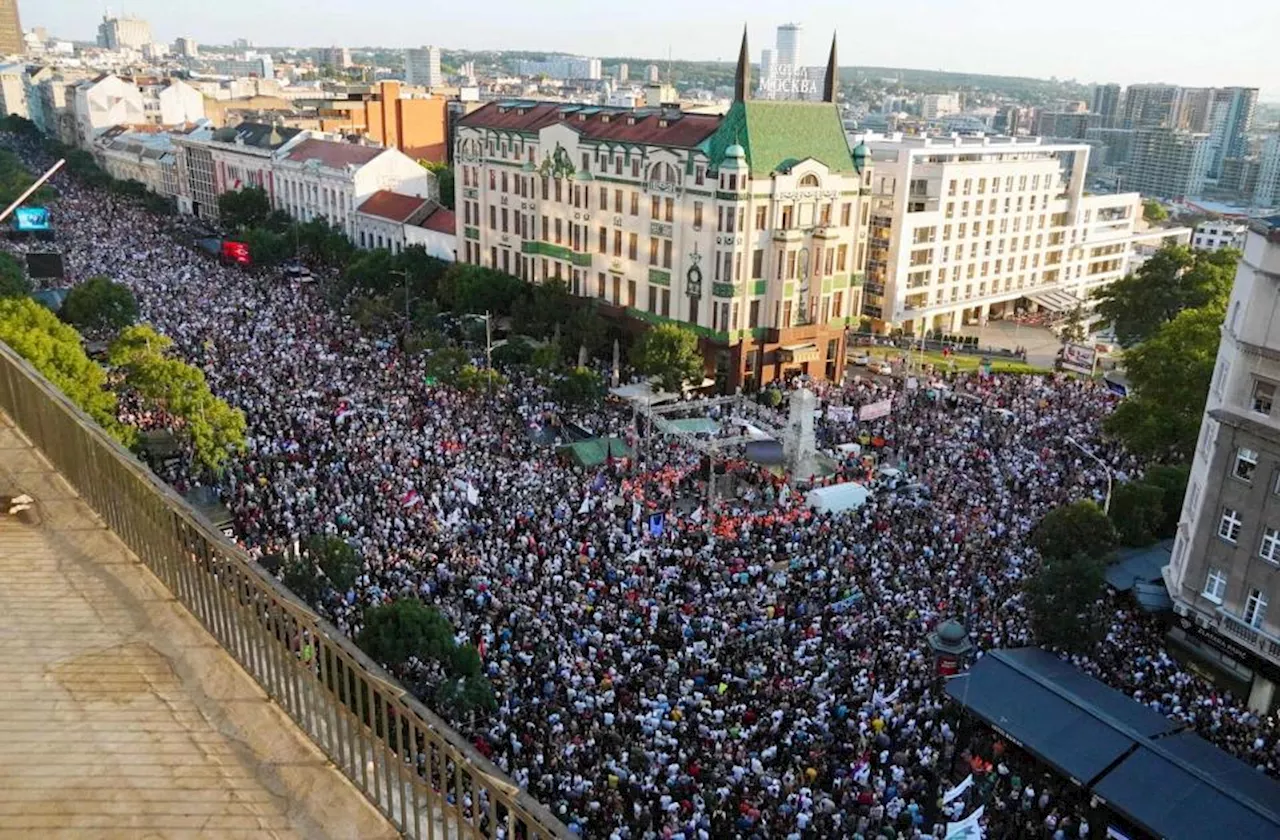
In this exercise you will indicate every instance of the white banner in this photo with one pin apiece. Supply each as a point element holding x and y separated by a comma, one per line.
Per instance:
<point>957,790</point>
<point>840,414</point>
<point>968,828</point>
<point>875,410</point>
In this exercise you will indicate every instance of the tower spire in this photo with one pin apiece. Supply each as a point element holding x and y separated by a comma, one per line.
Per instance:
<point>831,83</point>
<point>742,79</point>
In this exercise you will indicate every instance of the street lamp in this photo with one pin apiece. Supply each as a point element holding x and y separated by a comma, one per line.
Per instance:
<point>1106,505</point>
<point>408,320</point>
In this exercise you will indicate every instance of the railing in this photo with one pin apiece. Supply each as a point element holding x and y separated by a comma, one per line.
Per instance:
<point>421,774</point>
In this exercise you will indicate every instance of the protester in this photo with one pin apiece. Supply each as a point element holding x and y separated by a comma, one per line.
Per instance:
<point>750,669</point>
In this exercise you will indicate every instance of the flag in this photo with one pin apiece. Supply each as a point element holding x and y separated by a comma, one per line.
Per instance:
<point>585,507</point>
<point>655,524</point>
<point>968,828</point>
<point>410,499</point>
<point>598,484</point>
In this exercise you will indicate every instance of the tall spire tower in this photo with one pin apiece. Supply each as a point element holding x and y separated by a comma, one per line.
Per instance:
<point>832,81</point>
<point>742,79</point>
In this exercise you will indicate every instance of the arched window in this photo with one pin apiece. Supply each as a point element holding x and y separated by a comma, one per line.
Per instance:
<point>663,175</point>
<point>809,180</point>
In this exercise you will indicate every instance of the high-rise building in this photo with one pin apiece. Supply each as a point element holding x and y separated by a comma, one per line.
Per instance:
<point>624,73</point>
<point>766,72</point>
<point>1223,571</point>
<point>422,67</point>
<point>935,106</point>
<point>1232,112</point>
<point>1267,191</point>
<point>963,228</point>
<point>186,47</point>
<point>787,45</point>
<point>1192,110</point>
<point>339,58</point>
<point>1064,125</point>
<point>11,41</point>
<point>1166,163</point>
<point>1148,106</point>
<point>123,33</point>
<point>651,73</point>
<point>567,67</point>
<point>749,228</point>
<point>1106,104</point>
<point>387,114</point>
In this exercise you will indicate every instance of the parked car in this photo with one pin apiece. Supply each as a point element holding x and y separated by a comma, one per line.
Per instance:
<point>297,271</point>
<point>862,360</point>
<point>882,368</point>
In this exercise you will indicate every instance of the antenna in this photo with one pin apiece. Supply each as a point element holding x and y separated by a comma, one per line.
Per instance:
<point>668,64</point>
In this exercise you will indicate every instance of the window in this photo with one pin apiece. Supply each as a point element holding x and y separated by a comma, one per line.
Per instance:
<point>617,202</point>
<point>1215,585</point>
<point>653,250</point>
<point>666,254</point>
<point>635,204</point>
<point>757,264</point>
<point>633,244</point>
<point>1270,549</point>
<point>786,217</point>
<point>668,209</point>
<point>845,209</point>
<point>1229,527</point>
<point>655,208</point>
<point>1263,394</point>
<point>1246,463</point>
<point>697,215</point>
<point>753,314</point>
<point>617,243</point>
<point>1255,609</point>
<point>604,240</point>
<point>761,216</point>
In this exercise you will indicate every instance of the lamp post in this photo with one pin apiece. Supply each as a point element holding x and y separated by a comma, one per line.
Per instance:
<point>1106,504</point>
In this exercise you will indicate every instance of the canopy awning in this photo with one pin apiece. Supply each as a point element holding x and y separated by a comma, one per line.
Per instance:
<point>796,353</point>
<point>1056,301</point>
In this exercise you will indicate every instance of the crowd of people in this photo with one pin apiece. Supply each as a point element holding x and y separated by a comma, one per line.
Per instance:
<point>749,669</point>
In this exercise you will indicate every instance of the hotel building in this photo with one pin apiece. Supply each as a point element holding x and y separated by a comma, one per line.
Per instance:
<point>964,228</point>
<point>749,228</point>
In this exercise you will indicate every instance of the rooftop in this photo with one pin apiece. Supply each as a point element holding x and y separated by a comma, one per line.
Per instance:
<point>334,155</point>
<point>648,126</point>
<point>256,135</point>
<point>393,206</point>
<point>441,220</point>
<point>778,135</point>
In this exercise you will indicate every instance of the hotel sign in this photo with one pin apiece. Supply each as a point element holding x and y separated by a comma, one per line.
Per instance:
<point>790,79</point>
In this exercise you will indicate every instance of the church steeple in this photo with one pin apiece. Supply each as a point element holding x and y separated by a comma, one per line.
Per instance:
<point>742,79</point>
<point>832,82</point>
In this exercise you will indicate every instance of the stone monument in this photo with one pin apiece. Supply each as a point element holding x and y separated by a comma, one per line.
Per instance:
<point>800,448</point>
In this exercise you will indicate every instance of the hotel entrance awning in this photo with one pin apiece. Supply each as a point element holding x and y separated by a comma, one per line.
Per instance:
<point>797,353</point>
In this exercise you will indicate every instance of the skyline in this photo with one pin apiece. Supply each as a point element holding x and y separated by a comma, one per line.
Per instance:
<point>1142,41</point>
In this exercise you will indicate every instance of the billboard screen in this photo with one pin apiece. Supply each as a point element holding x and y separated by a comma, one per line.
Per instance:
<point>236,252</point>
<point>31,219</point>
<point>1079,358</point>
<point>45,266</point>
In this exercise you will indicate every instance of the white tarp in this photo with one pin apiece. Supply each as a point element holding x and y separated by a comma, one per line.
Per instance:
<point>968,828</point>
<point>837,497</point>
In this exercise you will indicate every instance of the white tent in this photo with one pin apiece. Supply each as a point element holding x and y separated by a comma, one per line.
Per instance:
<point>837,497</point>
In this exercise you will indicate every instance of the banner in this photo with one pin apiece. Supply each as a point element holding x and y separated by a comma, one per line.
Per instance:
<point>1079,358</point>
<point>875,410</point>
<point>968,828</point>
<point>957,790</point>
<point>840,414</point>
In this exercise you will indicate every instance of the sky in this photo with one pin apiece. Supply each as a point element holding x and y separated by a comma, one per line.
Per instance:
<point>1126,41</point>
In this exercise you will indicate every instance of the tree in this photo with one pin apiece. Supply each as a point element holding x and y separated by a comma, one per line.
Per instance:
<point>1174,279</point>
<point>100,305</point>
<point>548,303</point>
<point>337,559</point>
<point>474,379</point>
<point>1080,527</point>
<point>444,177</point>
<point>513,353</point>
<point>475,289</point>
<point>1154,212</point>
<point>1172,481</point>
<point>669,352</point>
<point>1169,376</point>
<point>299,575</point>
<point>142,357</point>
<point>1137,512</point>
<point>445,363</point>
<point>243,209</point>
<point>1073,329</point>
<point>55,349</point>
<point>581,386</point>
<point>1062,600</point>
<point>13,280</point>
<point>266,247</point>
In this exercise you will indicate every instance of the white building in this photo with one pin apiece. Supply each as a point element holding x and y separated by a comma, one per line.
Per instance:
<point>172,102</point>
<point>248,64</point>
<point>148,157</point>
<point>123,33</point>
<point>324,178</point>
<point>1219,233</point>
<point>1224,572</point>
<point>215,161</point>
<point>935,106</point>
<point>396,221</point>
<point>787,45</point>
<point>105,102</point>
<point>437,234</point>
<point>964,228</point>
<point>14,90</point>
<point>422,67</point>
<point>186,47</point>
<point>568,67</point>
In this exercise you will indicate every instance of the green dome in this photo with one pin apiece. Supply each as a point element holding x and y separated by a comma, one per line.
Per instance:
<point>735,151</point>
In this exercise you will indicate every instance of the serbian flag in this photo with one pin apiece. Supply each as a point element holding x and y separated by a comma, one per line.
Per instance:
<point>410,499</point>
<point>344,408</point>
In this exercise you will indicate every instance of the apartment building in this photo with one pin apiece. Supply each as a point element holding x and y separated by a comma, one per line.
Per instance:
<point>212,161</point>
<point>964,228</point>
<point>749,228</point>
<point>422,67</point>
<point>1218,234</point>
<point>1149,106</point>
<point>11,41</point>
<point>408,119</point>
<point>1167,163</point>
<point>1266,193</point>
<point>1106,104</point>
<point>123,33</point>
<point>1224,572</point>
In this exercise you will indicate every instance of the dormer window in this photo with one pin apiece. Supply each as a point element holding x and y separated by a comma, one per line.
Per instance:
<point>809,180</point>
<point>604,118</point>
<point>631,120</point>
<point>662,123</point>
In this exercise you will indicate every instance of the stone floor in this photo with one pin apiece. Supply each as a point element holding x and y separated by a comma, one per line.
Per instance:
<point>119,715</point>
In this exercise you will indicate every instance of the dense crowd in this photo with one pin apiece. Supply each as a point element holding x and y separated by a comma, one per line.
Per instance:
<point>750,669</point>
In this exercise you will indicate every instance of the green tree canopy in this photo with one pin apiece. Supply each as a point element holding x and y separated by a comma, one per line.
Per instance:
<point>1172,481</point>
<point>669,352</point>
<point>100,305</point>
<point>243,209</point>
<point>581,386</point>
<point>476,289</point>
<point>1080,527</point>
<point>547,304</point>
<point>1174,279</point>
<point>13,279</point>
<point>142,356</point>
<point>267,248</point>
<point>1137,512</point>
<point>335,557</point>
<point>1062,600</point>
<point>1169,376</point>
<point>54,349</point>
<point>1073,329</point>
<point>1154,212</point>
<point>444,176</point>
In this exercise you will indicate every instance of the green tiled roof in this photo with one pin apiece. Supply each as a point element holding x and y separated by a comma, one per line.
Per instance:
<point>778,135</point>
